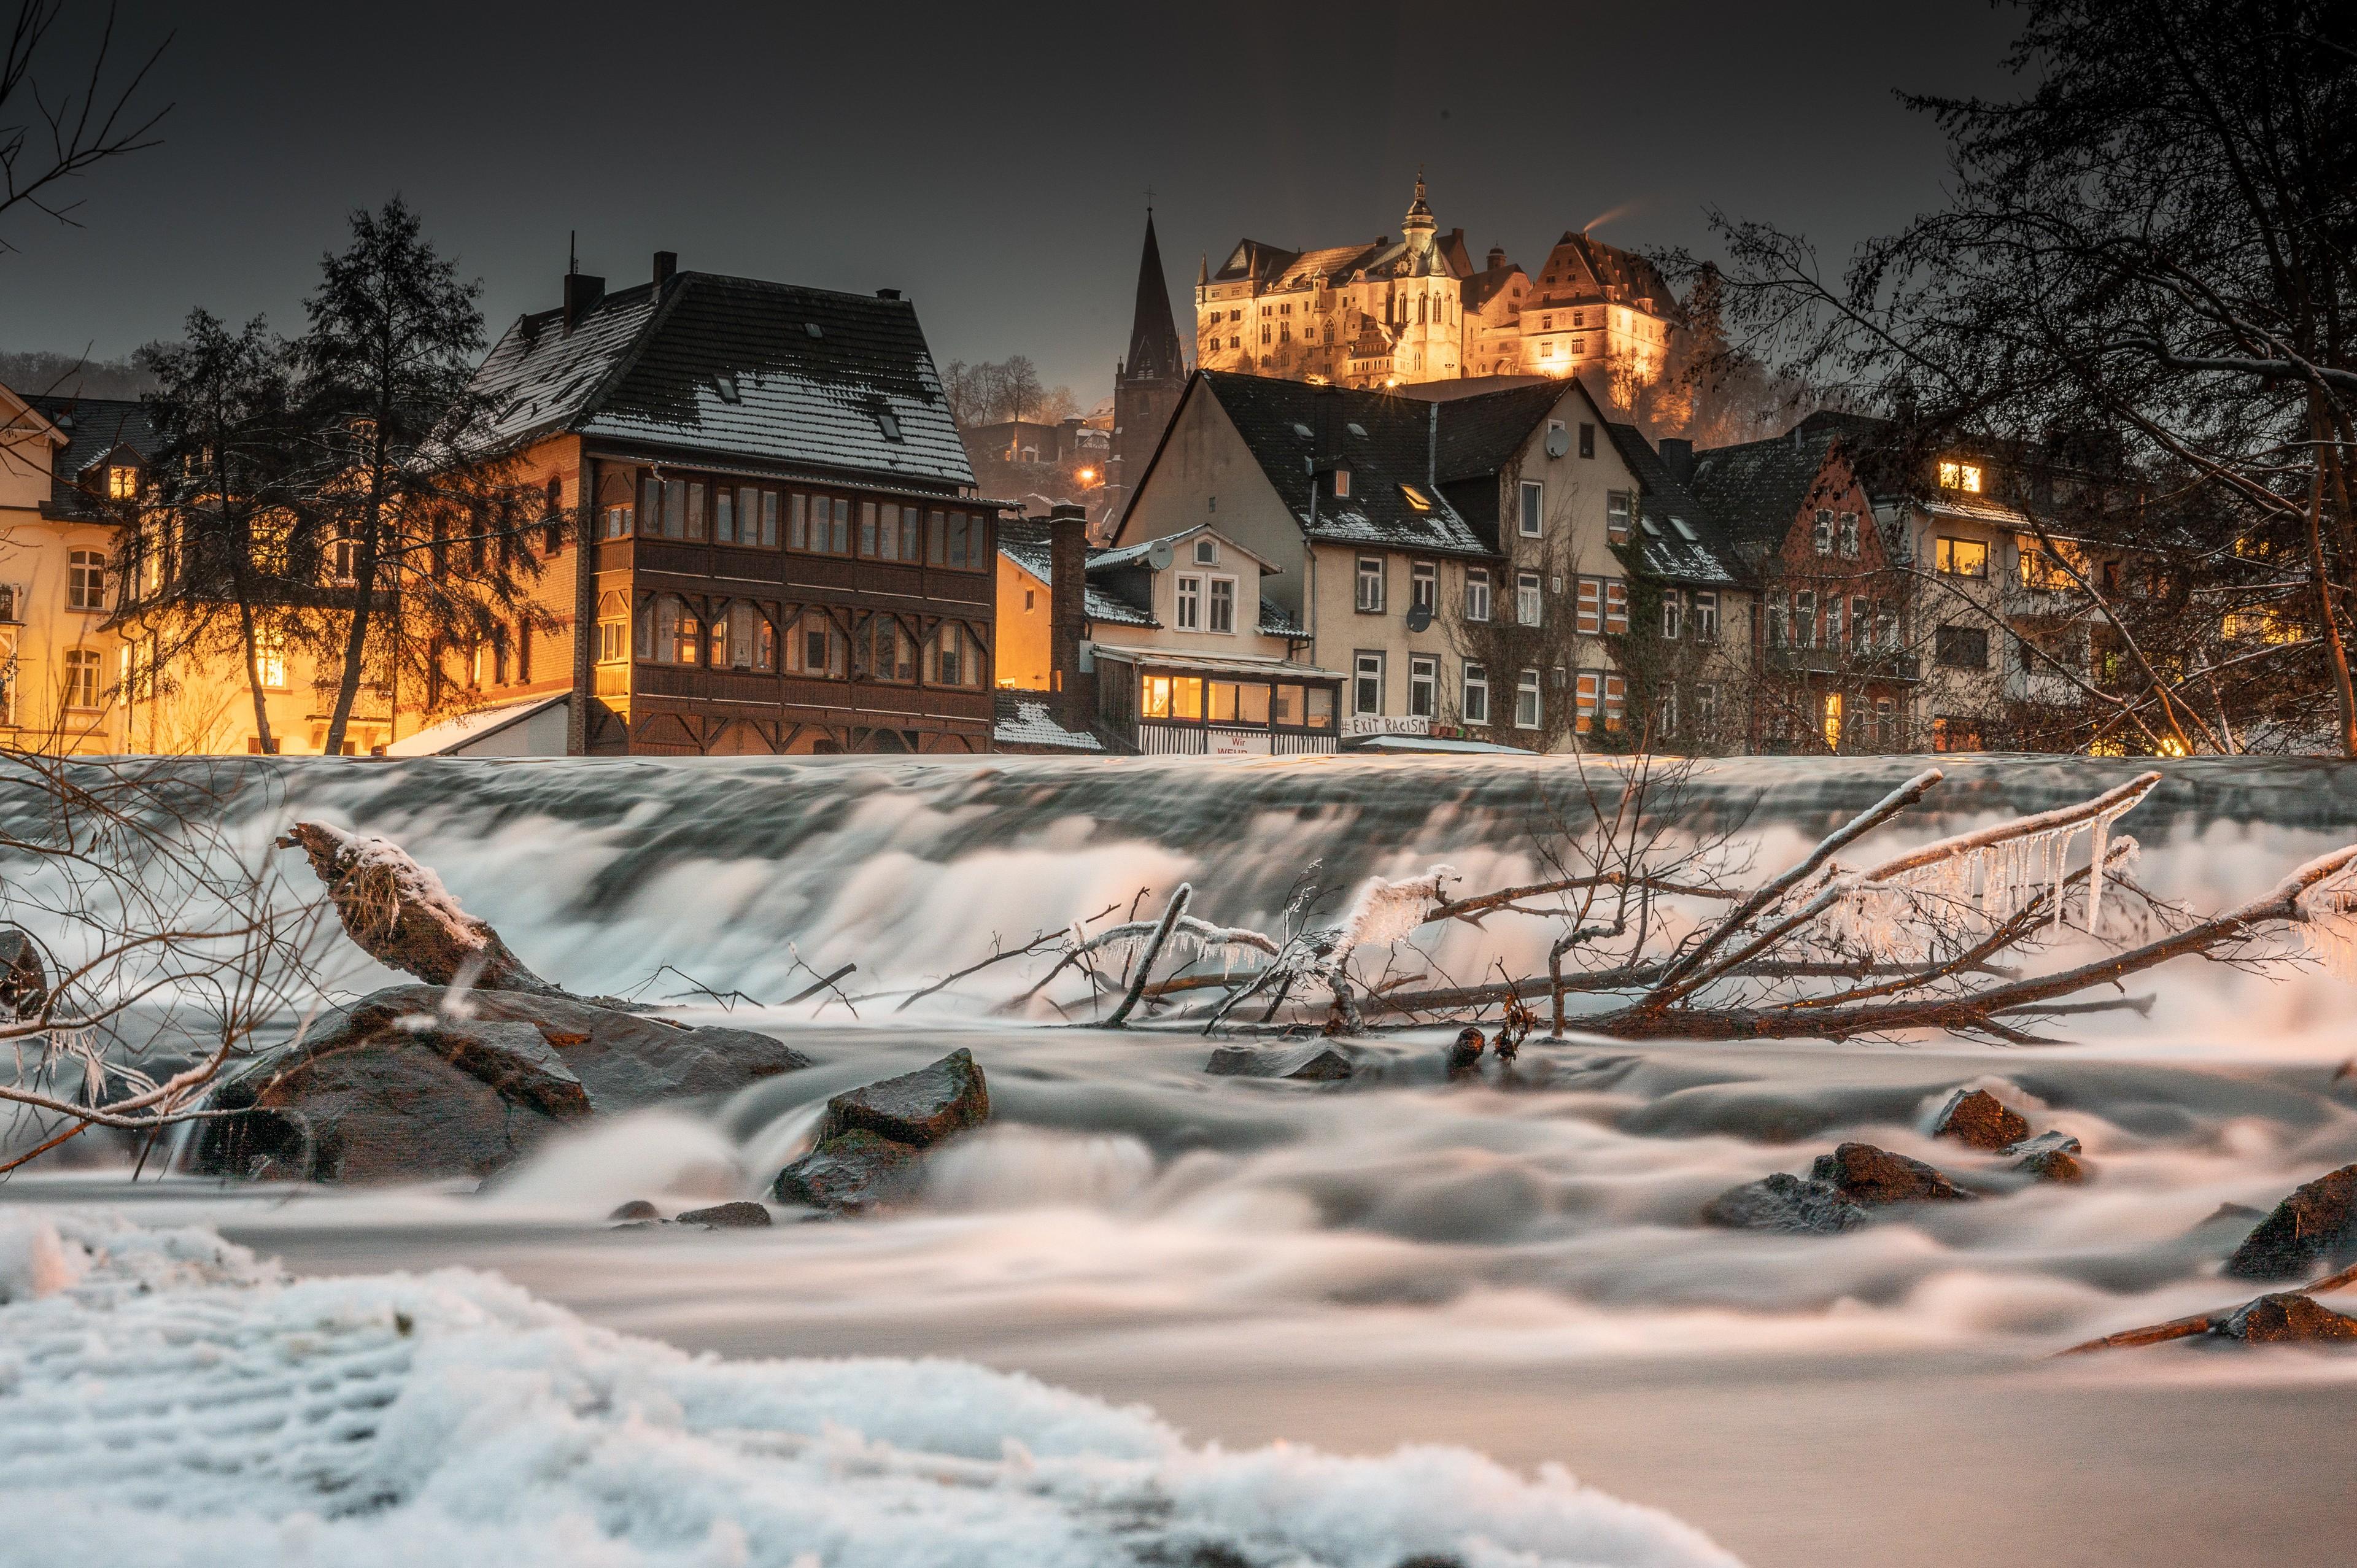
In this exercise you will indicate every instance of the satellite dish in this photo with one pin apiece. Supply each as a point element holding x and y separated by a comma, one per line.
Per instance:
<point>1159,555</point>
<point>1419,618</point>
<point>1558,441</point>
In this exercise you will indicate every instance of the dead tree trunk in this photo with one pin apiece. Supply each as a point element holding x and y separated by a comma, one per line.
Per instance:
<point>401,915</point>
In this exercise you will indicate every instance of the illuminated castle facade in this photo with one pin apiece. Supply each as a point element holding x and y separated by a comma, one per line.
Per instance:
<point>1415,309</point>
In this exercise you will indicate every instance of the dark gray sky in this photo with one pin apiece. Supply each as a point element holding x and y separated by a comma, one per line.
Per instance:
<point>990,160</point>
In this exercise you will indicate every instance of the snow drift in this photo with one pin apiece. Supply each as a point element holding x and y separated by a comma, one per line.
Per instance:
<point>166,1398</point>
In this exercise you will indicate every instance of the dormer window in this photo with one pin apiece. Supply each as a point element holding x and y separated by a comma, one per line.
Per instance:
<point>1965,477</point>
<point>122,482</point>
<point>1341,481</point>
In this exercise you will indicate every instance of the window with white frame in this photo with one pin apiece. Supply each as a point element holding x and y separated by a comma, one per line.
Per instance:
<point>1424,586</point>
<point>1474,703</point>
<point>1423,685</point>
<point>1224,605</point>
<point>1821,532</point>
<point>1530,605</point>
<point>270,658</point>
<point>1617,508</point>
<point>1367,683</point>
<point>1534,509</point>
<point>1526,700</point>
<point>1342,482</point>
<point>86,580</point>
<point>1667,721</point>
<point>1706,617</point>
<point>1207,551</point>
<point>1371,585</point>
<point>1615,607</point>
<point>1189,613</point>
<point>1848,535</point>
<point>1673,613</point>
<point>1477,593</point>
<point>82,679</point>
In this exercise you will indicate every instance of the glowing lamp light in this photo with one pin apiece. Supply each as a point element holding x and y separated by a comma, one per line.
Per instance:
<point>1088,476</point>
<point>2170,747</point>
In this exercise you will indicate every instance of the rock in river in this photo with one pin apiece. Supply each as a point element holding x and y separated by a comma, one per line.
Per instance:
<point>2316,1224</point>
<point>2286,1319</point>
<point>1869,1176</point>
<point>1979,1119</point>
<point>727,1217</point>
<point>1784,1202</point>
<point>1315,1063</point>
<point>392,1089</point>
<point>872,1141</point>
<point>2049,1156</point>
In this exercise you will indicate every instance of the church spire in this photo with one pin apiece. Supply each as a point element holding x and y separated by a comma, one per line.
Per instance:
<point>1154,348</point>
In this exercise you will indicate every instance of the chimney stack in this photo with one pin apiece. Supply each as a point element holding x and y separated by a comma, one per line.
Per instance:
<point>1677,456</point>
<point>1068,573</point>
<point>666,263</point>
<point>582,293</point>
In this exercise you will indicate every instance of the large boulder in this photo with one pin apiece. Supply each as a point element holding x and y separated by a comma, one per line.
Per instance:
<point>918,1109</point>
<point>1869,1177</point>
<point>871,1142</point>
<point>2286,1319</point>
<point>852,1173</point>
<point>1784,1202</point>
<point>2316,1225</point>
<point>392,1089</point>
<point>1980,1120</point>
<point>1315,1063</point>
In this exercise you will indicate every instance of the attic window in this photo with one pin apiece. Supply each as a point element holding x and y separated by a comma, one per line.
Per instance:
<point>1650,526</point>
<point>1342,479</point>
<point>726,384</point>
<point>1357,429</point>
<point>888,424</point>
<point>122,482</point>
<point>813,328</point>
<point>1417,497</point>
<point>1684,530</point>
<point>1303,432</point>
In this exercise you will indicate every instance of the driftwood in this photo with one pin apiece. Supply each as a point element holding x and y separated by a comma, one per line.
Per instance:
<point>399,913</point>
<point>1929,939</point>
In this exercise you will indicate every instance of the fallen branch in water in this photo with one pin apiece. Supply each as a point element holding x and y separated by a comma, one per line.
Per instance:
<point>2201,1322</point>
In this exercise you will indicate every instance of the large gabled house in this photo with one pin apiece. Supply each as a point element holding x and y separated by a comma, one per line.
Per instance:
<point>767,531</point>
<point>1338,491</point>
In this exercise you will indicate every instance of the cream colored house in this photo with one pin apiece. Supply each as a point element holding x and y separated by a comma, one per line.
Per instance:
<point>64,462</point>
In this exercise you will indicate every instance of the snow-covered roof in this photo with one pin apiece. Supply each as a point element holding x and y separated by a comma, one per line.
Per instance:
<point>1024,719</point>
<point>1023,542</point>
<point>735,366</point>
<point>473,728</point>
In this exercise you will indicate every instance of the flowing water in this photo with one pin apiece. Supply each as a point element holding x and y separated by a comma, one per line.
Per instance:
<point>1513,1264</point>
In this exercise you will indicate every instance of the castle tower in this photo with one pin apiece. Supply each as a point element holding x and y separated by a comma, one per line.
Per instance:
<point>1145,385</point>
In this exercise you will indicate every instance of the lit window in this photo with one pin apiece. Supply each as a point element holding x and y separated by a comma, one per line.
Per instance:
<point>82,679</point>
<point>122,482</point>
<point>1341,481</point>
<point>1833,721</point>
<point>269,659</point>
<point>1961,557</point>
<point>1415,497</point>
<point>1965,477</point>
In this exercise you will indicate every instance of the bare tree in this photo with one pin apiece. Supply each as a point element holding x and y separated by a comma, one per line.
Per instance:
<point>145,947</point>
<point>56,129</point>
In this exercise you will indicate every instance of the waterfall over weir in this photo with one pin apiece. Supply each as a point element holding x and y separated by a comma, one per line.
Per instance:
<point>601,871</point>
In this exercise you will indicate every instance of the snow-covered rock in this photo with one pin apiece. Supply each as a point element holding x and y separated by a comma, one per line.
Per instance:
<point>2316,1224</point>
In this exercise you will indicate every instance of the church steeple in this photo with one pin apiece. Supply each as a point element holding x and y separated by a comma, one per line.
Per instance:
<point>1154,352</point>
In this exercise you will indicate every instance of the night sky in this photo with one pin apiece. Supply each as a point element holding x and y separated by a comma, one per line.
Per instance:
<point>990,160</point>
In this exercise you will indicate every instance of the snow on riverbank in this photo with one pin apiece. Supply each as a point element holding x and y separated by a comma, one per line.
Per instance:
<point>167,1397</point>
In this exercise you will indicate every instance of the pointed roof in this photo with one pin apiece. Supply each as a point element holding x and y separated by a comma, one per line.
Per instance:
<point>1154,350</point>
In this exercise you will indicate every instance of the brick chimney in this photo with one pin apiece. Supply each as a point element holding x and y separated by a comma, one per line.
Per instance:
<point>1068,565</point>
<point>1677,456</point>
<point>666,265</point>
<point>582,293</point>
